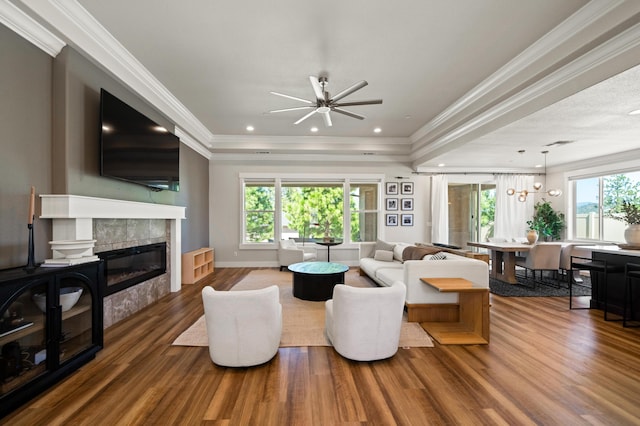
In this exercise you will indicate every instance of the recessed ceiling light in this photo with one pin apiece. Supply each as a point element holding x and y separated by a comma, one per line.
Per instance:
<point>314,129</point>
<point>635,112</point>
<point>250,128</point>
<point>538,166</point>
<point>441,165</point>
<point>160,129</point>
<point>377,130</point>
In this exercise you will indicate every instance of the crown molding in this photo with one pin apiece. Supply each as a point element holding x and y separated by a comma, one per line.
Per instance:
<point>85,33</point>
<point>600,55</point>
<point>310,144</point>
<point>26,27</point>
<point>584,17</point>
<point>186,139</point>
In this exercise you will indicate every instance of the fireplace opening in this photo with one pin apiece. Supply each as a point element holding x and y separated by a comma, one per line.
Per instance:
<point>127,267</point>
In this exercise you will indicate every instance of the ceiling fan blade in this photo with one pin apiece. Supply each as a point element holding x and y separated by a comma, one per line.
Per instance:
<point>327,119</point>
<point>356,103</point>
<point>305,117</point>
<point>317,88</point>
<point>348,91</point>
<point>291,109</point>
<point>349,113</point>
<point>293,97</point>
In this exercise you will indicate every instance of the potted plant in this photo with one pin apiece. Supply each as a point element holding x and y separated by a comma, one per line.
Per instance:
<point>630,214</point>
<point>546,221</point>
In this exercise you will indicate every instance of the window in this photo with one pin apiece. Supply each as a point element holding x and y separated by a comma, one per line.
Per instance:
<point>308,208</point>
<point>312,210</point>
<point>259,212</point>
<point>598,200</point>
<point>363,203</point>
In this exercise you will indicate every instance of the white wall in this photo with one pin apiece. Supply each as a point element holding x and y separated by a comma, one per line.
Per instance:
<point>226,210</point>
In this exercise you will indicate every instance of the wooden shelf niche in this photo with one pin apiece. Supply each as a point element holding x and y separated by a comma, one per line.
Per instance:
<point>196,265</point>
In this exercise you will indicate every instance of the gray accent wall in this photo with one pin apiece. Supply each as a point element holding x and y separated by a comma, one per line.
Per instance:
<point>49,116</point>
<point>25,144</point>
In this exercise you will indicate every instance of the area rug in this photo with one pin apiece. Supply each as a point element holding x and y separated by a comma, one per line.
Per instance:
<point>302,321</point>
<point>548,287</point>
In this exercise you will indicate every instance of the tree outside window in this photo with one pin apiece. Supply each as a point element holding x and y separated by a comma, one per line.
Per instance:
<point>599,201</point>
<point>313,211</point>
<point>259,210</point>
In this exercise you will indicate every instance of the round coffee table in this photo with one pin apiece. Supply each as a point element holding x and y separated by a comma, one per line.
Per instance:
<point>315,280</point>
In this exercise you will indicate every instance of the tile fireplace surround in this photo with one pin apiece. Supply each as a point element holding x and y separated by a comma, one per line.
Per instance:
<point>119,224</point>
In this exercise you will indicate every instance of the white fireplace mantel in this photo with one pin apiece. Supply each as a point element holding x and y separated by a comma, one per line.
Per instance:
<point>73,220</point>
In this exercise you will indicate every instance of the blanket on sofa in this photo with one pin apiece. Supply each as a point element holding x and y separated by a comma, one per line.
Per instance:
<point>417,253</point>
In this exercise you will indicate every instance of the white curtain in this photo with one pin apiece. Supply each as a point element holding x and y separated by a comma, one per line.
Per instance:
<point>439,209</point>
<point>512,215</point>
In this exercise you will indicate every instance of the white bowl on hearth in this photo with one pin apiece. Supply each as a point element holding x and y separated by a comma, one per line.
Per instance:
<point>72,249</point>
<point>69,296</point>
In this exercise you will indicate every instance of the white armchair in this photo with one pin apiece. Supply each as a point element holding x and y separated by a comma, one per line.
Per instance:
<point>244,327</point>
<point>289,253</point>
<point>363,324</point>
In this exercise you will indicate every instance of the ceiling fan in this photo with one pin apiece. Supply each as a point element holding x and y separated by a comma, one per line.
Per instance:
<point>324,103</point>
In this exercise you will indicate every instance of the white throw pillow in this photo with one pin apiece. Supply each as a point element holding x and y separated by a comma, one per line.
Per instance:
<point>384,255</point>
<point>397,251</point>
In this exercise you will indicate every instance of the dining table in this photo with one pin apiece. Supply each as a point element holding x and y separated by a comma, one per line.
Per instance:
<point>503,258</point>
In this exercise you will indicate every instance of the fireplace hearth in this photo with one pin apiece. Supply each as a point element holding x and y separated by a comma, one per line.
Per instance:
<point>127,267</point>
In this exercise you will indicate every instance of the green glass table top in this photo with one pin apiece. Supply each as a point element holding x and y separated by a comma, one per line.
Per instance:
<point>318,268</point>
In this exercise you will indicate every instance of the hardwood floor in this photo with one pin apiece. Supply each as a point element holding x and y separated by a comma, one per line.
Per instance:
<point>545,365</point>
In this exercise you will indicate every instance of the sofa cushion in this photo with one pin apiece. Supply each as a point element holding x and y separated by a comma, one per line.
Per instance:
<point>384,255</point>
<point>383,245</point>
<point>387,276</point>
<point>417,253</point>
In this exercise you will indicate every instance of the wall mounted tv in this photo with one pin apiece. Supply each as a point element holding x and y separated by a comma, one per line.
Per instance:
<point>136,149</point>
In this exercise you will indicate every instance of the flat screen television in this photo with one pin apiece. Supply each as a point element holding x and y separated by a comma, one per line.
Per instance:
<point>136,149</point>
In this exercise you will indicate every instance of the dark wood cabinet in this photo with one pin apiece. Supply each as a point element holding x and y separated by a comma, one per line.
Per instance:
<point>50,325</point>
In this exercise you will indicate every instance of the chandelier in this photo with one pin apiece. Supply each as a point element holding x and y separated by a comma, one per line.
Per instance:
<point>537,186</point>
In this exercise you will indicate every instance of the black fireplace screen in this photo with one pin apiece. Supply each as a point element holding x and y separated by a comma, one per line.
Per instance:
<point>127,267</point>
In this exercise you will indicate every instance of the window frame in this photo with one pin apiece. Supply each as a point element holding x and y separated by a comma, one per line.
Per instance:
<point>572,201</point>
<point>277,181</point>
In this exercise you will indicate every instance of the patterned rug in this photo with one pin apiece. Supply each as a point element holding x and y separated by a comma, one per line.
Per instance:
<point>547,287</point>
<point>302,320</point>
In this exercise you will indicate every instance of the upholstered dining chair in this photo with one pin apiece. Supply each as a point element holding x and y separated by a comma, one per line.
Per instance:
<point>363,324</point>
<point>289,253</point>
<point>244,327</point>
<point>541,257</point>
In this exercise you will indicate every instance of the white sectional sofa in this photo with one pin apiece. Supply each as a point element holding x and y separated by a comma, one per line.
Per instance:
<point>423,302</point>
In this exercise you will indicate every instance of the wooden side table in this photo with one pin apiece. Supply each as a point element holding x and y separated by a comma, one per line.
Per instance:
<point>472,327</point>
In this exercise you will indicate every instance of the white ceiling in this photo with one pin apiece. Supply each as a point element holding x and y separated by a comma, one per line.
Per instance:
<point>461,80</point>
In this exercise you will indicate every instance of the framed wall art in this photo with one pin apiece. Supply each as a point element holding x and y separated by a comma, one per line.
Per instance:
<point>406,219</point>
<point>392,188</point>
<point>406,204</point>
<point>392,204</point>
<point>407,188</point>
<point>392,219</point>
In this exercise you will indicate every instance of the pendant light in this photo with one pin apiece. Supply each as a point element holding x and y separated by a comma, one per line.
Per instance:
<point>537,186</point>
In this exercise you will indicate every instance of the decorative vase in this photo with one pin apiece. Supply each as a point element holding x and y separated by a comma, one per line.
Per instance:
<point>532,236</point>
<point>632,235</point>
